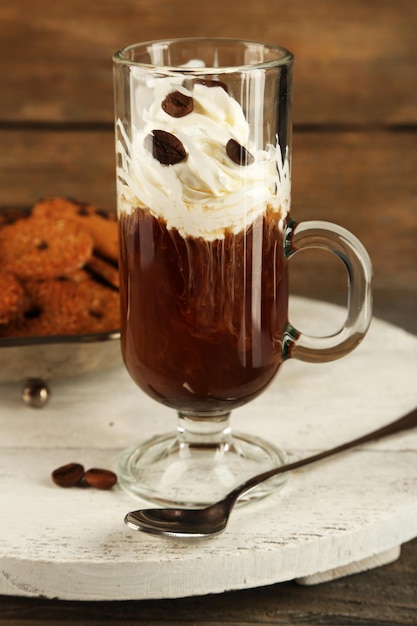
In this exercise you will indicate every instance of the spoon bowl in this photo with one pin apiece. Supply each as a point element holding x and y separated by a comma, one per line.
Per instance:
<point>211,520</point>
<point>193,523</point>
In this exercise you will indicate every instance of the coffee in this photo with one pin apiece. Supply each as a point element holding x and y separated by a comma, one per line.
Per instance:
<point>202,211</point>
<point>202,321</point>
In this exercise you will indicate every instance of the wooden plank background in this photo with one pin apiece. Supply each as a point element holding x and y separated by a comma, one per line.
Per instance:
<point>356,60</point>
<point>355,114</point>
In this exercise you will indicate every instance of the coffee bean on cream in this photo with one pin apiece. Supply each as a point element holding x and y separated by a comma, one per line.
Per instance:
<point>238,153</point>
<point>165,147</point>
<point>177,104</point>
<point>209,82</point>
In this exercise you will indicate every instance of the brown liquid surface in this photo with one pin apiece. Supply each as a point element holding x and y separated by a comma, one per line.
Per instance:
<point>202,322</point>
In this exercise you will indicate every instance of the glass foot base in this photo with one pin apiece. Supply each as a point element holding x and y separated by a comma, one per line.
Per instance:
<point>170,471</point>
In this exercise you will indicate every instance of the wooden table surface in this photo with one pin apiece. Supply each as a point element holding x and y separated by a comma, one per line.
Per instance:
<point>354,163</point>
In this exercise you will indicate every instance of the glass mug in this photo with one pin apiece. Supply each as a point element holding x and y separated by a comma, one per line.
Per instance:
<point>203,146</point>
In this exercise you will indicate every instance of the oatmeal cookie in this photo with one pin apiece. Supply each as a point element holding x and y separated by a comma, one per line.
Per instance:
<point>12,298</point>
<point>39,248</point>
<point>103,271</point>
<point>101,225</point>
<point>69,307</point>
<point>102,307</point>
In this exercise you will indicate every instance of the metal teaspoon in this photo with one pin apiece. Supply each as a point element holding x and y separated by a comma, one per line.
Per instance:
<point>173,522</point>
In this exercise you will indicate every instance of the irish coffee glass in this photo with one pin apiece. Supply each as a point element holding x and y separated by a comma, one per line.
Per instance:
<point>203,143</point>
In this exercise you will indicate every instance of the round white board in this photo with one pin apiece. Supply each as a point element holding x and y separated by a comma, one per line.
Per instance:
<point>339,516</point>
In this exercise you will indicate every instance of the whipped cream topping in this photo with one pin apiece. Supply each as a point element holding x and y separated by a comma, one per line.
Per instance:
<point>207,192</point>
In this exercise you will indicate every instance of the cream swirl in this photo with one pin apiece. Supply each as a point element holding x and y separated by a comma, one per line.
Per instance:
<point>206,193</point>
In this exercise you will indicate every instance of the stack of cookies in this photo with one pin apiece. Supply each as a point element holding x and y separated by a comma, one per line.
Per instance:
<point>59,271</point>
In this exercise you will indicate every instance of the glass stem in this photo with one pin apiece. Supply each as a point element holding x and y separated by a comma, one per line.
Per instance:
<point>204,431</point>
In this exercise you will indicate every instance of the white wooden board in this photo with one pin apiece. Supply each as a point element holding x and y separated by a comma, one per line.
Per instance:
<point>343,515</point>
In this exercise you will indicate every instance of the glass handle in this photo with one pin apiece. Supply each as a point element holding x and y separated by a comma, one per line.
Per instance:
<point>342,243</point>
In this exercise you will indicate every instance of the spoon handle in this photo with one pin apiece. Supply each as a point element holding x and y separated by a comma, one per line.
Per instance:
<point>403,423</point>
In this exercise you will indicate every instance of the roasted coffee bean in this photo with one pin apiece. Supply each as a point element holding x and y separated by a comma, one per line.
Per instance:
<point>178,104</point>
<point>211,82</point>
<point>165,147</point>
<point>68,475</point>
<point>238,153</point>
<point>100,478</point>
